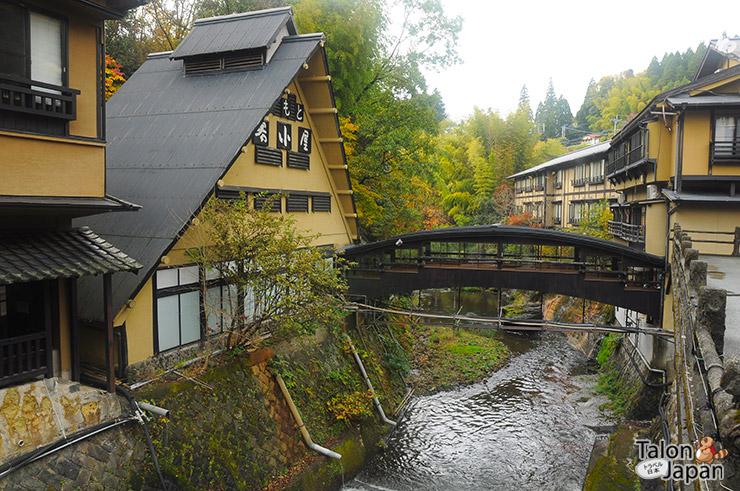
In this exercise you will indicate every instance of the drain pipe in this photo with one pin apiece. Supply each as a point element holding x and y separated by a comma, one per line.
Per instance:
<point>297,416</point>
<point>369,384</point>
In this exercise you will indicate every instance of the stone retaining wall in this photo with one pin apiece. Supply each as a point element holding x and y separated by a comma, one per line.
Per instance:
<point>700,404</point>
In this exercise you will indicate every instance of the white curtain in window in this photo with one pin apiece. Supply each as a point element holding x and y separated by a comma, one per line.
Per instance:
<point>168,325</point>
<point>189,317</point>
<point>46,49</point>
<point>724,129</point>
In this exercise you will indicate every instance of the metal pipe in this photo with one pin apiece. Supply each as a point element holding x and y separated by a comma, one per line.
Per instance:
<point>154,409</point>
<point>369,384</point>
<point>297,416</point>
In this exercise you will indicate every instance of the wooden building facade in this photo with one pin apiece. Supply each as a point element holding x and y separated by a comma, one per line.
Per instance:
<point>52,158</point>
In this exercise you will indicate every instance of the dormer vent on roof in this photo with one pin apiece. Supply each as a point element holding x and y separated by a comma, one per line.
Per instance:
<point>234,42</point>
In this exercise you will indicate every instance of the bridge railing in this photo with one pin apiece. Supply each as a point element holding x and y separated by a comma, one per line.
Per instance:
<point>558,260</point>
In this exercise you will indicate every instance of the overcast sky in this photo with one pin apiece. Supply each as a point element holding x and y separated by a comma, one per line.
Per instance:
<point>505,44</point>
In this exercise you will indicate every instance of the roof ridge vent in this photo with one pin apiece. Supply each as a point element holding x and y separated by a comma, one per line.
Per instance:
<point>244,60</point>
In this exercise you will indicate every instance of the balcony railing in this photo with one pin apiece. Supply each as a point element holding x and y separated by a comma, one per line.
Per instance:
<point>539,187</point>
<point>37,98</point>
<point>627,231</point>
<point>596,180</point>
<point>725,152</point>
<point>636,154</point>
<point>580,182</point>
<point>24,358</point>
<point>558,185</point>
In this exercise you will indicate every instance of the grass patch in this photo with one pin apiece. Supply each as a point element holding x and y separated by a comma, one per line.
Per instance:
<point>445,359</point>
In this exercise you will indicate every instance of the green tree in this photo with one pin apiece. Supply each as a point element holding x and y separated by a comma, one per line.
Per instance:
<point>547,150</point>
<point>267,263</point>
<point>596,221</point>
<point>552,114</point>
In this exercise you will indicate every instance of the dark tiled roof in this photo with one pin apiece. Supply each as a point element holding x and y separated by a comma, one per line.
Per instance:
<point>33,255</point>
<point>82,204</point>
<point>238,32</point>
<point>566,159</point>
<point>170,139</point>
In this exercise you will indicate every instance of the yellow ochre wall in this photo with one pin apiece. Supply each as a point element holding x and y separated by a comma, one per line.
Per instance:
<point>661,148</point>
<point>139,330</point>
<point>655,231</point>
<point>710,218</point>
<point>83,76</point>
<point>696,137</point>
<point>40,166</point>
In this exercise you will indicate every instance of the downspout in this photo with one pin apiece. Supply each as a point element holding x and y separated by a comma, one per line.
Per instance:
<point>666,262</point>
<point>297,416</point>
<point>369,384</point>
<point>677,180</point>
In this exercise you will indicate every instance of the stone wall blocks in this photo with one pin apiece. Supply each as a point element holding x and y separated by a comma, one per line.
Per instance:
<point>731,377</point>
<point>698,274</point>
<point>690,255</point>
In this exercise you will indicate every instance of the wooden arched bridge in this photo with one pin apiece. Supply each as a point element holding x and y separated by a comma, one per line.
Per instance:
<point>502,256</point>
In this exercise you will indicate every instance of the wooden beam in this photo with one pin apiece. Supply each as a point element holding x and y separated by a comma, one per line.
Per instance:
<point>108,300</point>
<point>350,215</point>
<point>74,330</point>
<point>322,110</point>
<point>321,78</point>
<point>331,140</point>
<point>47,329</point>
<point>337,167</point>
<point>345,191</point>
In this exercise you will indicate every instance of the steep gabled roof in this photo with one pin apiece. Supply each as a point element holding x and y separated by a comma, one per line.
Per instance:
<point>238,32</point>
<point>170,139</point>
<point>568,159</point>
<point>717,54</point>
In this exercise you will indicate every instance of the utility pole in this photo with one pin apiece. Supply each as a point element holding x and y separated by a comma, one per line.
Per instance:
<point>615,120</point>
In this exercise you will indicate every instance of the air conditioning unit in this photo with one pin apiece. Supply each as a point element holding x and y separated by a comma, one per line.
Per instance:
<point>652,191</point>
<point>621,198</point>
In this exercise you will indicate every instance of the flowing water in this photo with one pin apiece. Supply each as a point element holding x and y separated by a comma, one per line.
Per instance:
<point>530,425</point>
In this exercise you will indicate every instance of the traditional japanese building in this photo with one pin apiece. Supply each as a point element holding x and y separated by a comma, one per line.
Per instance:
<point>678,160</point>
<point>243,105</point>
<point>52,169</point>
<point>559,192</point>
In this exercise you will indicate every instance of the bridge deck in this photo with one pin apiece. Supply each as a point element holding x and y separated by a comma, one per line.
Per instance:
<point>509,257</point>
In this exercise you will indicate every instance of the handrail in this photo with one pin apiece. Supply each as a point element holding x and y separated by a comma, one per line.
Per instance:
<point>36,83</point>
<point>28,96</point>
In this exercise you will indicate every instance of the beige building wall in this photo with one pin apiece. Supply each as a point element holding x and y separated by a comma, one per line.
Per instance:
<point>35,165</point>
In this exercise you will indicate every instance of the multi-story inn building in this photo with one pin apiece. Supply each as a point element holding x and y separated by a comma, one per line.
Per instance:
<point>559,192</point>
<point>53,161</point>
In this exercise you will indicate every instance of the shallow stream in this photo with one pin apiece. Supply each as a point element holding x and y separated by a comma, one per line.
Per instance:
<point>530,425</point>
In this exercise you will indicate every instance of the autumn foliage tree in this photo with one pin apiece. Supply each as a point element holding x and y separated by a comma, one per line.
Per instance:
<point>113,76</point>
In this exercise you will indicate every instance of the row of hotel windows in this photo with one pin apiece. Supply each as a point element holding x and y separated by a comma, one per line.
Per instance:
<point>592,173</point>
<point>576,211</point>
